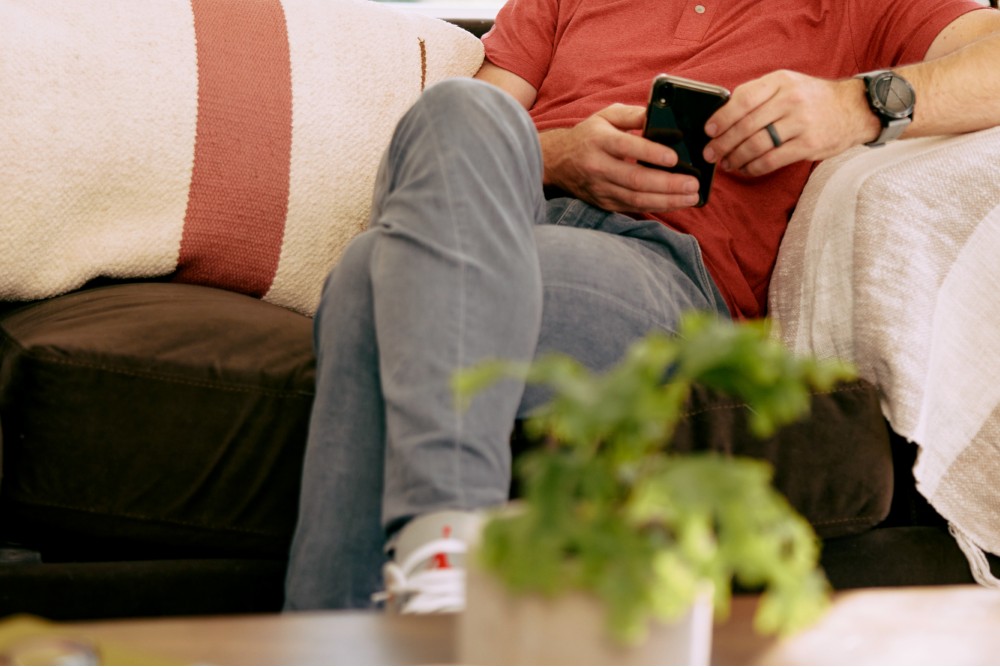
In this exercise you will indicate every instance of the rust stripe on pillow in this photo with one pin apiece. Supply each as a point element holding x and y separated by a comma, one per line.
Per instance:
<point>238,201</point>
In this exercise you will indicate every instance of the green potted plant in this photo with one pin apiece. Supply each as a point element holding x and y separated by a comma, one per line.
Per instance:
<point>611,520</point>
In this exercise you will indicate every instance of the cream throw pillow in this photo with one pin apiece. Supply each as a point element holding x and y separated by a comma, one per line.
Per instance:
<point>231,143</point>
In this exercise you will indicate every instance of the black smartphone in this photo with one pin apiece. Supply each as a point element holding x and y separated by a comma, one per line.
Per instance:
<point>675,116</point>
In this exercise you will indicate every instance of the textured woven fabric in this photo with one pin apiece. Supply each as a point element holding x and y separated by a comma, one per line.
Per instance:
<point>890,261</point>
<point>232,143</point>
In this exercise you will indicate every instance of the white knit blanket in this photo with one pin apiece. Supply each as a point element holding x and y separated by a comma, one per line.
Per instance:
<point>229,143</point>
<point>892,261</point>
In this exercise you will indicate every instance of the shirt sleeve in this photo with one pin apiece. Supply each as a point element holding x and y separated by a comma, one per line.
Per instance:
<point>888,33</point>
<point>523,38</point>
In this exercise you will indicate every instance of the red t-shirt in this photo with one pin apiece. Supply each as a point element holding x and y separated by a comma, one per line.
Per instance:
<point>582,55</point>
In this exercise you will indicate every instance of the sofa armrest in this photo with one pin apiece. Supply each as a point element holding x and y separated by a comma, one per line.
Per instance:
<point>889,261</point>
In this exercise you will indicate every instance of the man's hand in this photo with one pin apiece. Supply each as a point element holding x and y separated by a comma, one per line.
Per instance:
<point>813,119</point>
<point>597,161</point>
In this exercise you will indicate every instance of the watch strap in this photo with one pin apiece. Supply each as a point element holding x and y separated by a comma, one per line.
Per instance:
<point>890,131</point>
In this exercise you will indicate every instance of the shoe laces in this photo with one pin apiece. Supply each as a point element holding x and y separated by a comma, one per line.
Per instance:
<point>427,581</point>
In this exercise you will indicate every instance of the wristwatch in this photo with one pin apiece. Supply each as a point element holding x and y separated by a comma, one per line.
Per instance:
<point>891,98</point>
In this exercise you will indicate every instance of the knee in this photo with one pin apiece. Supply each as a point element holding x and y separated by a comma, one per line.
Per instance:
<point>463,94</point>
<point>479,106</point>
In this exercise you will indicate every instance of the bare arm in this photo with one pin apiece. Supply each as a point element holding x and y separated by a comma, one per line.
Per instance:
<point>957,90</point>
<point>518,88</point>
<point>597,160</point>
<point>958,86</point>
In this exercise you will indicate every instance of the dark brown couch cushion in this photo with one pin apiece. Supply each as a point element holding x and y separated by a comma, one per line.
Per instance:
<point>835,467</point>
<point>160,414</point>
<point>158,420</point>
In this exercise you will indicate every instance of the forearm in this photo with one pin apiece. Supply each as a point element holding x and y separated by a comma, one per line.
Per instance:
<point>958,92</point>
<point>957,89</point>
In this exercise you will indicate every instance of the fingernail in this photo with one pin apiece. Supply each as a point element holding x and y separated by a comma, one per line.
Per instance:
<point>725,164</point>
<point>691,200</point>
<point>709,155</point>
<point>691,186</point>
<point>711,129</point>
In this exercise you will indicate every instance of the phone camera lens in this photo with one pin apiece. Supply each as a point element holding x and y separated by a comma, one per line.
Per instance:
<point>663,95</point>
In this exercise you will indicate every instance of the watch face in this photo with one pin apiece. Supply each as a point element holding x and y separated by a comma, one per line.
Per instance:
<point>892,95</point>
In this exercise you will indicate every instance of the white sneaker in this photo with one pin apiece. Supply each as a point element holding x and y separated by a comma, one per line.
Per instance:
<point>430,578</point>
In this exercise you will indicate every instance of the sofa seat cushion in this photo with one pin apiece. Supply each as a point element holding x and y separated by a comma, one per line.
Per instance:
<point>835,466</point>
<point>150,420</point>
<point>167,415</point>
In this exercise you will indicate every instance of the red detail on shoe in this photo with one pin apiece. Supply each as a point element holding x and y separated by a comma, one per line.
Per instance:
<point>441,560</point>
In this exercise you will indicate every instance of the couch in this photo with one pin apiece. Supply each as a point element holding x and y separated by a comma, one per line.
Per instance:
<point>153,430</point>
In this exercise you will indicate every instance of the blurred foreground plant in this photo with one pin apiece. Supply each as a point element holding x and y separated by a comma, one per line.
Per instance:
<point>608,508</point>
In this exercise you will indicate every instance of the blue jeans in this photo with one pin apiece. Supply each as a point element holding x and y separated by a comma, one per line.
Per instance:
<point>465,260</point>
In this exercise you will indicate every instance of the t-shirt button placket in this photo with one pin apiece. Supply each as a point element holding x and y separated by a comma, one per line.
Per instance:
<point>696,19</point>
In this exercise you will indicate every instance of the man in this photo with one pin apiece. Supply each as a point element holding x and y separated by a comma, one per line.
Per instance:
<point>467,260</point>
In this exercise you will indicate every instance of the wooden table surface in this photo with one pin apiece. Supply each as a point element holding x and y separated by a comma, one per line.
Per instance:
<point>941,625</point>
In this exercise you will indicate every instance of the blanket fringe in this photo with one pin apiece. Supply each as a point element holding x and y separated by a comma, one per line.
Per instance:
<point>977,558</point>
